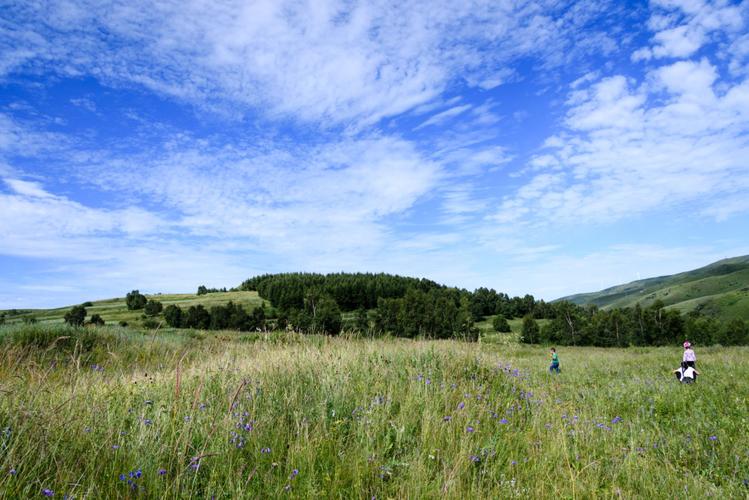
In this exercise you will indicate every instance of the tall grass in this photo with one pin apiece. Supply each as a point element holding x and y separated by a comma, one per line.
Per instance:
<point>282,415</point>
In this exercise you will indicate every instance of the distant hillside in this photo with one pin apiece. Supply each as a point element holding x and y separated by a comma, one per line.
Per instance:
<point>115,310</point>
<point>720,289</point>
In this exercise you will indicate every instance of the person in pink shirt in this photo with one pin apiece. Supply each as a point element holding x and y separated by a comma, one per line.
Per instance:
<point>689,356</point>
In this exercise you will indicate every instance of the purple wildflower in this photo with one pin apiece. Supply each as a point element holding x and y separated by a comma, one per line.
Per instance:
<point>514,462</point>
<point>461,405</point>
<point>147,421</point>
<point>162,472</point>
<point>122,477</point>
<point>713,438</point>
<point>446,418</point>
<point>265,450</point>
<point>616,420</point>
<point>469,429</point>
<point>12,472</point>
<point>504,421</point>
<point>474,458</point>
<point>294,473</point>
<point>115,447</point>
<point>48,493</point>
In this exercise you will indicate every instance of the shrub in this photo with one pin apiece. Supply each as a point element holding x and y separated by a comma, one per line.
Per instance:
<point>97,320</point>
<point>75,316</point>
<point>153,308</point>
<point>500,324</point>
<point>135,300</point>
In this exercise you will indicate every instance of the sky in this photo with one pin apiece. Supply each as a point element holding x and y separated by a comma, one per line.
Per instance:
<point>547,147</point>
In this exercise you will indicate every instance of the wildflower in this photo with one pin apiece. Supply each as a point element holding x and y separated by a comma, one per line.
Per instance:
<point>469,429</point>
<point>514,462</point>
<point>12,472</point>
<point>202,406</point>
<point>428,381</point>
<point>461,405</point>
<point>48,493</point>
<point>474,458</point>
<point>446,418</point>
<point>504,421</point>
<point>265,450</point>
<point>122,477</point>
<point>294,473</point>
<point>713,438</point>
<point>616,420</point>
<point>248,426</point>
<point>115,447</point>
<point>187,418</point>
<point>87,430</point>
<point>287,487</point>
<point>147,421</point>
<point>162,472</point>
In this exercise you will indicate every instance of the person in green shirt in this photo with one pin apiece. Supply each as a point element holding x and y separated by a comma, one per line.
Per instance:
<point>554,361</point>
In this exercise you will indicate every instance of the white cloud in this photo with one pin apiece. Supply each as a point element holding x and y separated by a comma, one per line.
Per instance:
<point>625,153</point>
<point>686,26</point>
<point>443,116</point>
<point>326,62</point>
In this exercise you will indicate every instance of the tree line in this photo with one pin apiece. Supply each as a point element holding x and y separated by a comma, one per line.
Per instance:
<point>571,324</point>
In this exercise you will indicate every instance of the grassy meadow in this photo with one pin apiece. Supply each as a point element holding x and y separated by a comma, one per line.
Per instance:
<point>119,413</point>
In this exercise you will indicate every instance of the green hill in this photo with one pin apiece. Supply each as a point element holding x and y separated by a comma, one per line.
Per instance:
<point>720,289</point>
<point>115,310</point>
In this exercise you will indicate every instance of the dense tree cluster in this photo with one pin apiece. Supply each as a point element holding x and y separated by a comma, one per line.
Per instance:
<point>228,317</point>
<point>571,324</point>
<point>202,290</point>
<point>350,291</point>
<point>488,302</point>
<point>437,313</point>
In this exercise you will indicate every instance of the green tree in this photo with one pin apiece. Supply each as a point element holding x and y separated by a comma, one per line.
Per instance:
<point>135,300</point>
<point>734,332</point>
<point>500,324</point>
<point>197,317</point>
<point>530,330</point>
<point>173,316</point>
<point>153,308</point>
<point>75,316</point>
<point>202,290</point>
<point>361,320</point>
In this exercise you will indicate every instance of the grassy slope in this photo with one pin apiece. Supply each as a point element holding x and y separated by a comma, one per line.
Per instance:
<point>363,419</point>
<point>114,310</point>
<point>720,289</point>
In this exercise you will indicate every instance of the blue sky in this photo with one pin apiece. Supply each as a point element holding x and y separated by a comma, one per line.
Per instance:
<point>533,147</point>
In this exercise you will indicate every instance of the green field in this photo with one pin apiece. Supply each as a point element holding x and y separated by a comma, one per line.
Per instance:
<point>115,310</point>
<point>194,414</point>
<point>720,290</point>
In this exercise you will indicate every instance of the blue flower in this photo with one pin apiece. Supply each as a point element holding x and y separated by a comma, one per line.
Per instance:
<point>713,438</point>
<point>504,421</point>
<point>469,429</point>
<point>616,420</point>
<point>162,472</point>
<point>48,493</point>
<point>461,405</point>
<point>294,473</point>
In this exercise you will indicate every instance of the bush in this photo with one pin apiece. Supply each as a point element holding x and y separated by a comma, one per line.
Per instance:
<point>500,324</point>
<point>173,316</point>
<point>75,316</point>
<point>530,330</point>
<point>153,308</point>
<point>97,320</point>
<point>87,304</point>
<point>135,300</point>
